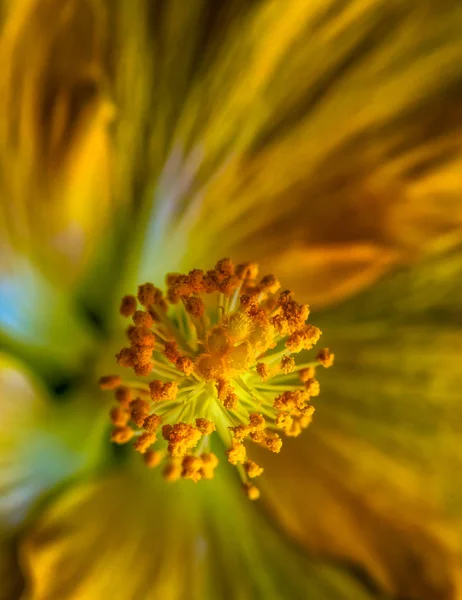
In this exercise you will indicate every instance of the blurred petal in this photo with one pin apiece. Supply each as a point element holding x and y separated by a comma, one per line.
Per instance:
<point>327,274</point>
<point>309,124</point>
<point>382,456</point>
<point>133,535</point>
<point>37,320</point>
<point>54,131</point>
<point>40,444</point>
<point>345,499</point>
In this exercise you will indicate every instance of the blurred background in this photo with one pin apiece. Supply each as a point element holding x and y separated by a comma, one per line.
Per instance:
<point>322,139</point>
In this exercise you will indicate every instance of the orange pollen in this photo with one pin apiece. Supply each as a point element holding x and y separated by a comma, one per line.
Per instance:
<point>325,357</point>
<point>218,355</point>
<point>128,306</point>
<point>109,382</point>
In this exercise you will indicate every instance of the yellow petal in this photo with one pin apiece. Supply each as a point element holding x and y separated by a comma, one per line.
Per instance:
<point>375,479</point>
<point>329,273</point>
<point>133,535</point>
<point>345,499</point>
<point>306,124</point>
<point>54,130</point>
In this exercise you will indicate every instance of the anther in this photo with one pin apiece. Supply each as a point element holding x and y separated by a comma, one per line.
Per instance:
<point>252,469</point>
<point>148,294</point>
<point>126,357</point>
<point>269,284</point>
<point>191,468</point>
<point>152,422</point>
<point>209,464</point>
<point>161,391</point>
<point>306,374</point>
<point>152,458</point>
<point>237,453</point>
<point>312,387</point>
<point>185,365</point>
<point>127,306</point>
<point>109,382</point>
<point>142,318</point>
<point>195,307</point>
<point>287,364</point>
<point>205,427</point>
<point>251,491</point>
<point>172,471</point>
<point>263,370</point>
<point>119,416</point>
<point>122,435</point>
<point>181,437</point>
<point>139,410</point>
<point>144,442</point>
<point>123,395</point>
<point>325,357</point>
<point>171,352</point>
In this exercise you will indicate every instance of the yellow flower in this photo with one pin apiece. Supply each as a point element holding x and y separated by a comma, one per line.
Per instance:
<point>318,139</point>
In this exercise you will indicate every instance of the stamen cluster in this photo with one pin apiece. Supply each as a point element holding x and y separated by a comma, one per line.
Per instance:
<point>217,353</point>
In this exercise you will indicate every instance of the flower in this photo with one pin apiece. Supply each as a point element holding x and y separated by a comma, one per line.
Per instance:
<point>320,140</point>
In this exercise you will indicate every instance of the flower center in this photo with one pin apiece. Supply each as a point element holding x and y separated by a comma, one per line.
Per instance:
<point>222,347</point>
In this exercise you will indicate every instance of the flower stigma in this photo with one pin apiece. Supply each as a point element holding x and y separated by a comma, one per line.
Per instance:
<point>216,355</point>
